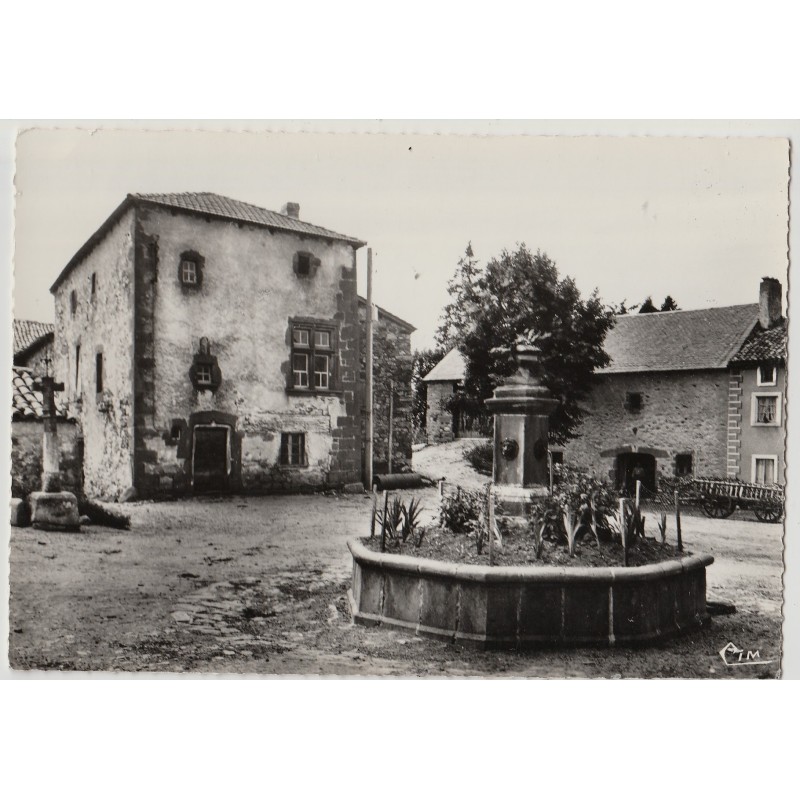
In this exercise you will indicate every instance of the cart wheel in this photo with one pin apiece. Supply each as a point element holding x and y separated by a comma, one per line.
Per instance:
<point>768,513</point>
<point>718,509</point>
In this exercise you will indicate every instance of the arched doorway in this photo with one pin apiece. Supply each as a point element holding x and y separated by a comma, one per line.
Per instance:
<point>635,466</point>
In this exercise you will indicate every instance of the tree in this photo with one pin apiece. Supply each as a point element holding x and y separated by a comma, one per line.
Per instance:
<point>463,288</point>
<point>647,307</point>
<point>519,294</point>
<point>423,361</point>
<point>669,304</point>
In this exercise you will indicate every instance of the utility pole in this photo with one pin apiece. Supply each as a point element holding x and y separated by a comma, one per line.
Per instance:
<point>368,387</point>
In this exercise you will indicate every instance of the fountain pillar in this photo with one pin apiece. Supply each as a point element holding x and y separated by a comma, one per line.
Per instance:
<point>522,407</point>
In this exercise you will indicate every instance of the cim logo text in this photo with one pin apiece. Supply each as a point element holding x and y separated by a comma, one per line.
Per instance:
<point>734,656</point>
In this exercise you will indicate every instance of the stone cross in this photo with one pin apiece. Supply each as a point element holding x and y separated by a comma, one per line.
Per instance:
<point>51,470</point>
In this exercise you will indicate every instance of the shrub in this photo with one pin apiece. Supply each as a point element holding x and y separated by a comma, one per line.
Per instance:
<point>481,457</point>
<point>460,512</point>
<point>402,521</point>
<point>100,515</point>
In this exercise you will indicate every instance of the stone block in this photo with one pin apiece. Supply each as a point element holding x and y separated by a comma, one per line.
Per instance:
<point>20,513</point>
<point>586,611</point>
<point>354,488</point>
<point>402,597</point>
<point>55,511</point>
<point>540,612</point>
<point>439,604</point>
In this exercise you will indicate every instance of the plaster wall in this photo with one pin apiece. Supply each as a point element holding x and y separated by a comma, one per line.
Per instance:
<point>682,412</point>
<point>101,323</point>
<point>761,439</point>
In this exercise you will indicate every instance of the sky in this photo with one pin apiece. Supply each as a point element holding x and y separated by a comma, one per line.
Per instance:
<point>701,219</point>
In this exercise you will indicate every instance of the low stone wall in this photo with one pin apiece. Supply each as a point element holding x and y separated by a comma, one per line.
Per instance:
<point>522,607</point>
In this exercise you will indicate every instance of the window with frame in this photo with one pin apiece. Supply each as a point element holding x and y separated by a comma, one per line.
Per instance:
<point>684,465</point>
<point>312,356</point>
<point>633,401</point>
<point>767,375</point>
<point>203,375</point>
<point>766,409</point>
<point>765,469</point>
<point>190,269</point>
<point>189,272</point>
<point>293,450</point>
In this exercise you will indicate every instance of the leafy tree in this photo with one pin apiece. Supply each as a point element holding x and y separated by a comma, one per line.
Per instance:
<point>647,307</point>
<point>669,304</point>
<point>620,309</point>
<point>520,294</point>
<point>423,361</point>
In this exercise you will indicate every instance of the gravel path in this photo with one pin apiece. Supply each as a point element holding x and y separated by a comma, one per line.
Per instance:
<point>259,585</point>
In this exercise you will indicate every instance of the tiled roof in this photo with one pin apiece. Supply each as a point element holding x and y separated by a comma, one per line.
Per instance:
<point>26,402</point>
<point>678,340</point>
<point>382,312</point>
<point>763,345</point>
<point>209,204</point>
<point>227,208</point>
<point>28,332</point>
<point>451,368</point>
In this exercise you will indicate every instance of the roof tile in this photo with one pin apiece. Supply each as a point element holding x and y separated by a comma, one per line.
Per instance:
<point>26,402</point>
<point>763,345</point>
<point>28,332</point>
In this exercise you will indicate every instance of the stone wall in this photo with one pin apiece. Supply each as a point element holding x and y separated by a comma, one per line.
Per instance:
<point>439,421</point>
<point>102,323</point>
<point>249,292</point>
<point>26,456</point>
<point>681,413</point>
<point>36,360</point>
<point>391,371</point>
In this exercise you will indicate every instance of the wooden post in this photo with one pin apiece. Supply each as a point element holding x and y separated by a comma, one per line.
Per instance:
<point>391,425</point>
<point>638,492</point>
<point>374,511</point>
<point>623,526</point>
<point>383,521</point>
<point>678,520</point>
<point>490,524</point>
<point>550,465</point>
<point>368,382</point>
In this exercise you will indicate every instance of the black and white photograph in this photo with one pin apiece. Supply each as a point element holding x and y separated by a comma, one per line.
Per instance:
<point>398,404</point>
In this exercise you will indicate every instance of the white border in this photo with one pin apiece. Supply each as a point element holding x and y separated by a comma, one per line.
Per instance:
<point>768,457</point>
<point>773,382</point>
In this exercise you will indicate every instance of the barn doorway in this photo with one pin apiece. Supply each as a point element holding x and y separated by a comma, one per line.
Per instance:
<point>211,458</point>
<point>635,466</point>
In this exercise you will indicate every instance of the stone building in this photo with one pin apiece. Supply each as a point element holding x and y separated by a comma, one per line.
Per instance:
<point>209,344</point>
<point>391,374</point>
<point>33,345</point>
<point>27,431</point>
<point>698,392</point>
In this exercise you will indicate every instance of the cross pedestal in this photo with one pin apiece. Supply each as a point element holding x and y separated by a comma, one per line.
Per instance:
<point>52,509</point>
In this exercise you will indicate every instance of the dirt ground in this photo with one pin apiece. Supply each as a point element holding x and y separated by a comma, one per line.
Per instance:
<point>258,585</point>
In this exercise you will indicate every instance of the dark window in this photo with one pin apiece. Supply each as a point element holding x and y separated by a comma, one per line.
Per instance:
<point>766,375</point>
<point>556,457</point>
<point>77,369</point>
<point>73,302</point>
<point>293,449</point>
<point>175,431</point>
<point>94,284</point>
<point>98,373</point>
<point>683,465</point>
<point>312,357</point>
<point>303,263</point>
<point>633,401</point>
<point>205,373</point>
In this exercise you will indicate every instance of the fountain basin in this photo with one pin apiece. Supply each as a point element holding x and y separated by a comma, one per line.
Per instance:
<point>528,606</point>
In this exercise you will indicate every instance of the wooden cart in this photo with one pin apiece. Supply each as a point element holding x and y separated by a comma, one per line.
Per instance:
<point>720,498</point>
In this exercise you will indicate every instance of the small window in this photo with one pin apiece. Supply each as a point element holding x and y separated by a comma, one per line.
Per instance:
<point>322,372</point>
<point>293,449</point>
<point>633,401</point>
<point>303,264</point>
<point>767,375</point>
<point>683,465</point>
<point>764,469</point>
<point>98,373</point>
<point>300,370</point>
<point>73,302</point>
<point>94,284</point>
<point>766,409</point>
<point>300,336</point>
<point>190,269</point>
<point>322,339</point>
<point>78,370</point>
<point>556,457</point>
<point>175,431</point>
<point>189,272</point>
<point>204,377</point>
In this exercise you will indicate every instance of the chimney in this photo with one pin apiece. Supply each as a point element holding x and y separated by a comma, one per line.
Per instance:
<point>769,302</point>
<point>293,210</point>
